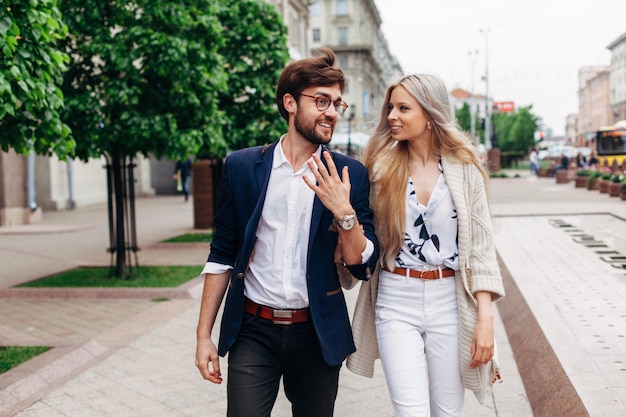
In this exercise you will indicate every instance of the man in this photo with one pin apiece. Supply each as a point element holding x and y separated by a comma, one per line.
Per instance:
<point>287,212</point>
<point>182,173</point>
<point>534,162</point>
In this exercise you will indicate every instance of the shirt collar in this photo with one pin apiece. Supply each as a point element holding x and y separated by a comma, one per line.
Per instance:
<point>280,158</point>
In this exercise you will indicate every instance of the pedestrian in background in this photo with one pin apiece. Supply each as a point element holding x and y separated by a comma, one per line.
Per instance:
<point>427,311</point>
<point>563,164</point>
<point>287,211</point>
<point>593,160</point>
<point>182,175</point>
<point>534,162</point>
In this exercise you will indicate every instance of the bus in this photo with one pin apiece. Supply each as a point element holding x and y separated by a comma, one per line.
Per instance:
<point>611,145</point>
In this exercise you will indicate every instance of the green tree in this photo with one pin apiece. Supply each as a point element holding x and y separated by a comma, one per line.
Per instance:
<point>516,130</point>
<point>144,78</point>
<point>249,100</point>
<point>30,75</point>
<point>172,78</point>
<point>464,118</point>
<point>515,133</point>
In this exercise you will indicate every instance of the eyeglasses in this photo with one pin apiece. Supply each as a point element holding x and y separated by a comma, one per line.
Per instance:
<point>323,103</point>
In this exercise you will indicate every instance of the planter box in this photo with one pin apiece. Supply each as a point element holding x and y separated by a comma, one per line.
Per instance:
<point>563,176</point>
<point>604,186</point>
<point>614,189</point>
<point>595,184</point>
<point>581,181</point>
<point>205,177</point>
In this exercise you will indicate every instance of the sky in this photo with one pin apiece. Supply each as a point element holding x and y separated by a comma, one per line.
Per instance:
<point>535,48</point>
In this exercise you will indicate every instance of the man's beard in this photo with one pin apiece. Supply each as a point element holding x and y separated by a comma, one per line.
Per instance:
<point>308,131</point>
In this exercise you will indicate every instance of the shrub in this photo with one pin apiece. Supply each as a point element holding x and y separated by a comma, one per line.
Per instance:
<point>592,177</point>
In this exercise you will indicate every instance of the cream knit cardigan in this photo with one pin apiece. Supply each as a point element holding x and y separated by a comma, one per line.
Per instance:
<point>478,271</point>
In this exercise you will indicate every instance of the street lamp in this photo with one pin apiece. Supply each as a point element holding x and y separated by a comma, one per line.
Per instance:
<point>350,119</point>
<point>472,55</point>
<point>487,113</point>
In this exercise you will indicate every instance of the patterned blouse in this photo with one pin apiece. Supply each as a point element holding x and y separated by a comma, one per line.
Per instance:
<point>430,238</point>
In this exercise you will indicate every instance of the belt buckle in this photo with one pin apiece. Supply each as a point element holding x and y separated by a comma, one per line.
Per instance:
<point>422,275</point>
<point>281,316</point>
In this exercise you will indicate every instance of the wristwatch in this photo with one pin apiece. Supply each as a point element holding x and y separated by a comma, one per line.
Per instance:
<point>347,222</point>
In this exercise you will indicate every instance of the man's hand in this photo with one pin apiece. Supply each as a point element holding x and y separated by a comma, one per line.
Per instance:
<point>207,361</point>
<point>207,358</point>
<point>334,192</point>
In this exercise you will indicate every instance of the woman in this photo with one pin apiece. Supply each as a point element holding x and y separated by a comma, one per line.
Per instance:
<point>432,220</point>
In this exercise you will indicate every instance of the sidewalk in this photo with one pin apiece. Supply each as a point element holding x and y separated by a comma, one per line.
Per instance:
<point>135,357</point>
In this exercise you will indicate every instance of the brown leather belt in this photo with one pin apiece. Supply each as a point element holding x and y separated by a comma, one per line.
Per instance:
<point>275,315</point>
<point>434,274</point>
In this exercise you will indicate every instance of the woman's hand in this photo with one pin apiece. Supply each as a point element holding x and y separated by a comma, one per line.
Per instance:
<point>483,338</point>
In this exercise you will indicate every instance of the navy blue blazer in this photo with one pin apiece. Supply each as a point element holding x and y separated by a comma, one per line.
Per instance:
<point>243,189</point>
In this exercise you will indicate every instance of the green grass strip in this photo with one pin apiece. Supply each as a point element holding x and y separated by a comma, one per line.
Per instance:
<point>142,276</point>
<point>12,356</point>
<point>191,238</point>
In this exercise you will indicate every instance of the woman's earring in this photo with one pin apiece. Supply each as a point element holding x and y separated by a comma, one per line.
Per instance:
<point>428,125</point>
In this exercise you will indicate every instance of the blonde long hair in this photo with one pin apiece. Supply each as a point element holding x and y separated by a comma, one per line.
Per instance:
<point>388,160</point>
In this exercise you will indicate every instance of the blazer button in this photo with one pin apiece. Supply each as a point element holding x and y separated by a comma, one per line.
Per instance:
<point>240,275</point>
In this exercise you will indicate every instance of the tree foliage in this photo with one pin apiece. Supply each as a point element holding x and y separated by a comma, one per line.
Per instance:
<point>30,75</point>
<point>255,51</point>
<point>144,76</point>
<point>516,131</point>
<point>464,118</point>
<point>170,78</point>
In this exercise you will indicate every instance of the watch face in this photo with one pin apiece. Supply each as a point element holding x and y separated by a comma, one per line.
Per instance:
<point>347,222</point>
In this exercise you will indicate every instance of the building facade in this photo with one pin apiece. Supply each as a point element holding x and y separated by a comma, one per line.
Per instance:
<point>352,29</point>
<point>571,130</point>
<point>295,15</point>
<point>593,102</point>
<point>477,105</point>
<point>617,79</point>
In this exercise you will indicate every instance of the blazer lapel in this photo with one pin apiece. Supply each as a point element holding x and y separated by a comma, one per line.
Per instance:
<point>263,169</point>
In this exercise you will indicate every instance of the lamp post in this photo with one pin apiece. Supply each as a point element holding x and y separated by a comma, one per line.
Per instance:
<point>472,55</point>
<point>486,78</point>
<point>350,118</point>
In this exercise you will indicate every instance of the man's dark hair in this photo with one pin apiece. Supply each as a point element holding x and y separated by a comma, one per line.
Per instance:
<point>304,73</point>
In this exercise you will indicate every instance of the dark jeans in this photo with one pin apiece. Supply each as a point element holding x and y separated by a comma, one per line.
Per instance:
<point>262,354</point>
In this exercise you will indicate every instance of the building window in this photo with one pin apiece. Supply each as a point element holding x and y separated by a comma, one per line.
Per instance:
<point>315,9</point>
<point>317,36</point>
<point>343,61</point>
<point>342,35</point>
<point>342,7</point>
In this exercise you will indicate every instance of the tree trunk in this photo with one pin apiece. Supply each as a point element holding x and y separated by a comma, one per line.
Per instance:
<point>118,184</point>
<point>121,199</point>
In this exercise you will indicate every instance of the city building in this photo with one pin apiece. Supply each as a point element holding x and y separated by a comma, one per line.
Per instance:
<point>617,79</point>
<point>593,102</point>
<point>352,29</point>
<point>295,15</point>
<point>571,129</point>
<point>459,97</point>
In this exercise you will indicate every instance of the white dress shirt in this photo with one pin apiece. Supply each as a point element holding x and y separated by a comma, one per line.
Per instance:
<point>277,271</point>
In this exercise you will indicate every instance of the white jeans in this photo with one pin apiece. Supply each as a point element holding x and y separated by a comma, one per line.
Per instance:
<point>418,337</point>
